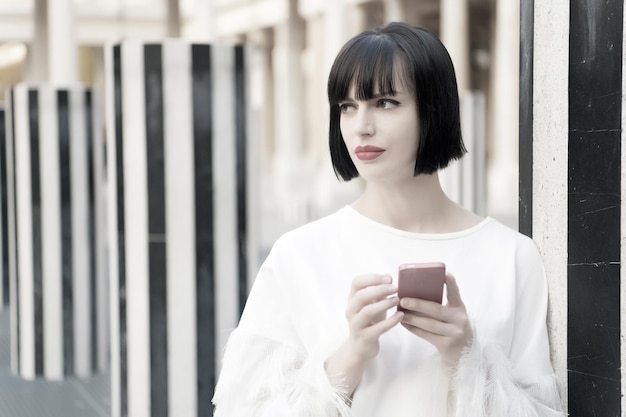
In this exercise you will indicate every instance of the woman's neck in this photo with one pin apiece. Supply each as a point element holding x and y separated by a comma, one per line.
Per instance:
<point>419,205</point>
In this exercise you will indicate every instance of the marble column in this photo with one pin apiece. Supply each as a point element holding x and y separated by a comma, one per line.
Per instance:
<point>178,135</point>
<point>572,183</point>
<point>52,237</point>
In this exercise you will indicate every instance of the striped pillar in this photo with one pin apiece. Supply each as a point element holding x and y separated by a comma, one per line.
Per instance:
<point>178,217</point>
<point>572,180</point>
<point>51,216</point>
<point>4,226</point>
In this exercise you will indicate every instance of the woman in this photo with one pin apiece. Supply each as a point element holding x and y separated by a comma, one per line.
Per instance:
<point>322,333</point>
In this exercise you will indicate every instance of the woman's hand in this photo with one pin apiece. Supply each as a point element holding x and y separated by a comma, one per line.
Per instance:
<point>369,300</point>
<point>370,297</point>
<point>446,327</point>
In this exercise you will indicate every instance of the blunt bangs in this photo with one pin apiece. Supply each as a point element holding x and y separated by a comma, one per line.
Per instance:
<point>376,62</point>
<point>371,64</point>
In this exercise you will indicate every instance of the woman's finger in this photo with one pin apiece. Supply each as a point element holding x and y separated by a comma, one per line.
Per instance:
<point>373,313</point>
<point>454,294</point>
<point>369,290</point>
<point>367,280</point>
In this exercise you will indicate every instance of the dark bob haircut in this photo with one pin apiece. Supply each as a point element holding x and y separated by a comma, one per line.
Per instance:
<point>369,60</point>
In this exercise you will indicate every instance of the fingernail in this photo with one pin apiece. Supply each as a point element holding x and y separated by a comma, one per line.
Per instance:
<point>386,279</point>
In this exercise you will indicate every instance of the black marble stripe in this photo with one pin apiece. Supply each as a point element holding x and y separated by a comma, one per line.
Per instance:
<point>14,259</point>
<point>527,28</point>
<point>65,184</point>
<point>35,172</point>
<point>242,201</point>
<point>4,220</point>
<point>203,175</point>
<point>153,73</point>
<point>594,199</point>
<point>91,228</point>
<point>121,229</point>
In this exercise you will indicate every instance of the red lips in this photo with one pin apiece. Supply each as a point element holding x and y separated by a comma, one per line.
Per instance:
<point>367,153</point>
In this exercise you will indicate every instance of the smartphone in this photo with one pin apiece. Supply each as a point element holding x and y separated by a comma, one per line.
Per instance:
<point>422,280</point>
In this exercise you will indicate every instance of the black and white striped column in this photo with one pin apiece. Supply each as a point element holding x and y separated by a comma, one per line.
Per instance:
<point>4,226</point>
<point>51,218</point>
<point>572,180</point>
<point>178,217</point>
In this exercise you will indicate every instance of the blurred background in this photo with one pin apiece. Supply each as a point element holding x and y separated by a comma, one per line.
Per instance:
<point>290,46</point>
<point>63,41</point>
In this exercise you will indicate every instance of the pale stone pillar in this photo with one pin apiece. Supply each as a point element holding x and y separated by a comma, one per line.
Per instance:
<point>200,25</point>
<point>173,18</point>
<point>395,10</point>
<point>62,50</point>
<point>335,31</point>
<point>454,33</point>
<point>330,193</point>
<point>455,36</point>
<point>38,53</point>
<point>503,115</point>
<point>544,200</point>
<point>292,170</point>
<point>357,18</point>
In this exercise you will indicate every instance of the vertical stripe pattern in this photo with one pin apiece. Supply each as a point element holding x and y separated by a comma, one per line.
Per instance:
<point>117,231</point>
<point>203,214</point>
<point>66,230</point>
<point>53,321</point>
<point>570,190</point>
<point>35,189</point>
<point>527,28</point>
<point>12,219</point>
<point>4,224</point>
<point>153,77</point>
<point>623,219</point>
<point>177,177</point>
<point>242,173</point>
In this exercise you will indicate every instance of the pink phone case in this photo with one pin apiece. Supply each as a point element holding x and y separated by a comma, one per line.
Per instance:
<point>422,280</point>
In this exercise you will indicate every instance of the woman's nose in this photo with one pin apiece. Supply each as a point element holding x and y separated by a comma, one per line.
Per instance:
<point>364,122</point>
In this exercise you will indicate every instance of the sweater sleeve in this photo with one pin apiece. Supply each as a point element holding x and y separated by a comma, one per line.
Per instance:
<point>520,382</point>
<point>266,370</point>
<point>485,386</point>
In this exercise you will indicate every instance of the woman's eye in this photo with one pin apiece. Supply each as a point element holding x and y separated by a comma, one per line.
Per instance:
<point>345,107</point>
<point>386,104</point>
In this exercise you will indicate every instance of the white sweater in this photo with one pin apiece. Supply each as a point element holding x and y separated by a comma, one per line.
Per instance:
<point>295,318</point>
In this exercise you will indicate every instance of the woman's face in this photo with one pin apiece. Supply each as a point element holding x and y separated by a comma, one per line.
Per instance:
<point>381,134</point>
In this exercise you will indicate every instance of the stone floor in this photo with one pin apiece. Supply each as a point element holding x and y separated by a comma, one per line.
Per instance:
<point>69,398</point>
